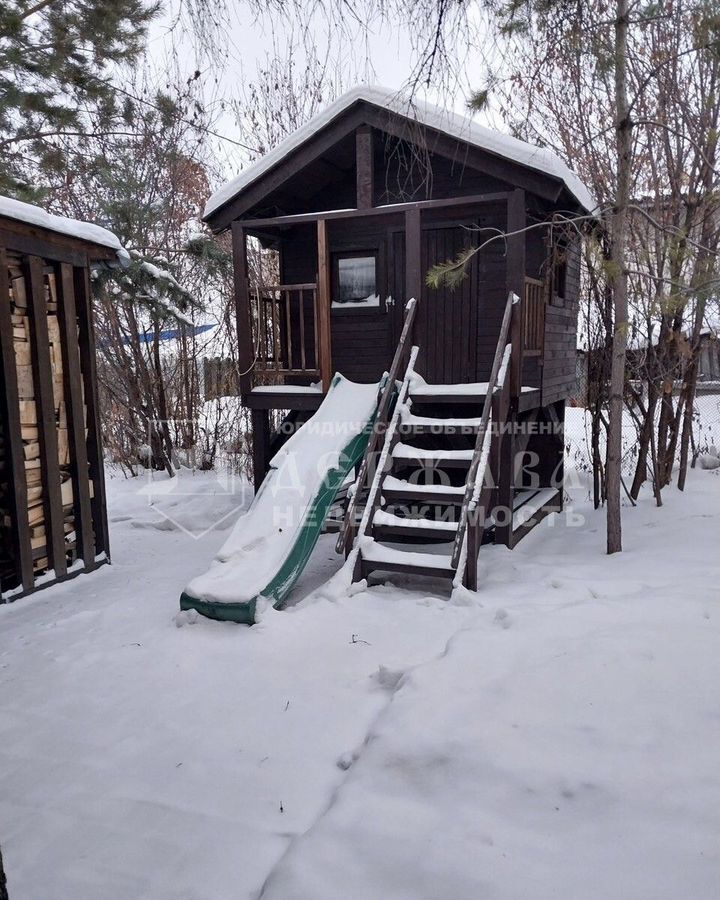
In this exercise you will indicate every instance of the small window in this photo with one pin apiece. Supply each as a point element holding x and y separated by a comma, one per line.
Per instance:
<point>558,285</point>
<point>355,280</point>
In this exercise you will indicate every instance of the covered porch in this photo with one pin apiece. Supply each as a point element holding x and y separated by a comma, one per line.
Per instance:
<point>295,334</point>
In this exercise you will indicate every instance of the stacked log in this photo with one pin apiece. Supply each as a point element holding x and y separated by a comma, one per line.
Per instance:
<point>7,563</point>
<point>35,475</point>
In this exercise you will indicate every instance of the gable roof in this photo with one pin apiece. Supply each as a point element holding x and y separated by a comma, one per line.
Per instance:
<point>464,129</point>
<point>83,231</point>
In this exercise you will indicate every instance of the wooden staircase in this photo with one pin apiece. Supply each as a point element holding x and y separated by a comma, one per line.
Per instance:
<point>436,467</point>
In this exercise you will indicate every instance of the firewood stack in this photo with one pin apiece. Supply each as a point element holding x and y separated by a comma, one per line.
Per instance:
<point>34,474</point>
<point>7,564</point>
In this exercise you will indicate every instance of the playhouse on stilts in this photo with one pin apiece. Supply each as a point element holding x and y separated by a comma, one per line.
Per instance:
<point>360,204</point>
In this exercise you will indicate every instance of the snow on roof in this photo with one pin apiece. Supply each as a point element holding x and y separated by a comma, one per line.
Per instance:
<point>461,127</point>
<point>84,231</point>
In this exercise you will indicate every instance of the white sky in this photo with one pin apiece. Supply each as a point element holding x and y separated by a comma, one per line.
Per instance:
<point>382,56</point>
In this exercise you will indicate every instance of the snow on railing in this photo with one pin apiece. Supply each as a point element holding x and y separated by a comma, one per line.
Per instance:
<point>387,446</point>
<point>476,473</point>
<point>347,530</point>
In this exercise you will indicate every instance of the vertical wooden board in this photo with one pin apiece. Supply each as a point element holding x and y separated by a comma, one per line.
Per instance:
<point>388,291</point>
<point>44,400</point>
<point>470,316</point>
<point>444,350</point>
<point>435,299</point>
<point>75,414</point>
<point>413,273</point>
<point>506,485</point>
<point>395,286</point>
<point>475,300</point>
<point>364,166</point>
<point>243,311</point>
<point>88,366</point>
<point>324,296</point>
<point>14,454</point>
<point>454,335</point>
<point>516,280</point>
<point>261,445</point>
<point>400,280</point>
<point>455,306</point>
<point>424,330</point>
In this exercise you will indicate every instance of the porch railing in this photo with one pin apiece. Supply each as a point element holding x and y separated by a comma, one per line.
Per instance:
<point>471,521</point>
<point>403,351</point>
<point>533,317</point>
<point>286,327</point>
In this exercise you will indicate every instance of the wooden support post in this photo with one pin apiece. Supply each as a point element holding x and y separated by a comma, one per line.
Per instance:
<point>516,222</point>
<point>243,309</point>
<point>75,411</point>
<point>413,255</point>
<point>473,550</point>
<point>559,471</point>
<point>260,419</point>
<point>88,365</point>
<point>502,456</point>
<point>506,484</point>
<point>47,421</point>
<point>324,299</point>
<point>364,166</point>
<point>516,353</point>
<point>495,446</point>
<point>14,455</point>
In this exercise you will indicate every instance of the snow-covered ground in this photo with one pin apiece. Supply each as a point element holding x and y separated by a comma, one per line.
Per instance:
<point>557,738</point>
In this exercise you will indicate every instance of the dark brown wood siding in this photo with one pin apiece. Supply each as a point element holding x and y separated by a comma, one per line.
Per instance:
<point>559,363</point>
<point>447,318</point>
<point>363,361</point>
<point>456,329</point>
<point>404,174</point>
<point>492,294</point>
<point>360,337</point>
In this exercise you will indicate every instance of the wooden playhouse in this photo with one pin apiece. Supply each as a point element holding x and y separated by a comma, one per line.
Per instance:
<point>360,204</point>
<point>52,498</point>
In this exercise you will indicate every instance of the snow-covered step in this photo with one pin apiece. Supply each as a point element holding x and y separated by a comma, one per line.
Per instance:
<point>448,393</point>
<point>473,392</point>
<point>422,392</point>
<point>387,526</point>
<point>411,424</point>
<point>399,489</point>
<point>376,556</point>
<point>441,459</point>
<point>532,506</point>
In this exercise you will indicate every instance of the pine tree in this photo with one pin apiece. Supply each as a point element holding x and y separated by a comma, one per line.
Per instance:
<point>56,64</point>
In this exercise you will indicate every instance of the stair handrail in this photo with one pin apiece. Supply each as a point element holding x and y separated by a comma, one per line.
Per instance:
<point>347,529</point>
<point>497,370</point>
<point>381,470</point>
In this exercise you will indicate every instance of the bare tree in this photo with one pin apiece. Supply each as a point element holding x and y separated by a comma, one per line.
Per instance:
<point>3,880</point>
<point>619,275</point>
<point>570,71</point>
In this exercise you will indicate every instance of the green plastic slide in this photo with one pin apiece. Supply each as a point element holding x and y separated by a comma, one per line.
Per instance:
<point>257,552</point>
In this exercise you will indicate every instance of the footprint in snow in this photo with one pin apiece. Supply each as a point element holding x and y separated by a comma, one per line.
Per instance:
<point>345,761</point>
<point>387,679</point>
<point>502,618</point>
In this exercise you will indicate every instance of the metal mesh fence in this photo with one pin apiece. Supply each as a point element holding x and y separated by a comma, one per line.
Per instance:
<point>705,431</point>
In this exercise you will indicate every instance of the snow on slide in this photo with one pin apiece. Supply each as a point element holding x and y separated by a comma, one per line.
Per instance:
<point>270,545</point>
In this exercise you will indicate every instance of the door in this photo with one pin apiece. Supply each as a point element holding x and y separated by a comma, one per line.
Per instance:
<point>447,320</point>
